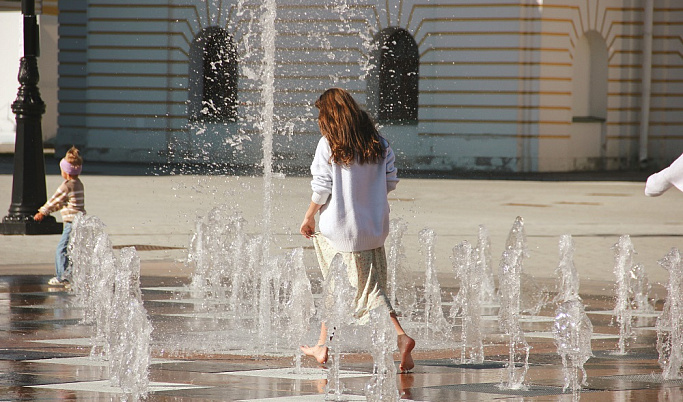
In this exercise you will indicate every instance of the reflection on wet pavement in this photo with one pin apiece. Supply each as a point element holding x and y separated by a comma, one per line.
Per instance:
<point>44,354</point>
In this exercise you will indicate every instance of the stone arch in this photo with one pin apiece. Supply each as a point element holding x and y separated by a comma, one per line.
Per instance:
<point>394,78</point>
<point>212,77</point>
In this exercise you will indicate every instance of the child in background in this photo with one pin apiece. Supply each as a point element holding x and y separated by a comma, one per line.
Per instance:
<point>353,171</point>
<point>69,198</point>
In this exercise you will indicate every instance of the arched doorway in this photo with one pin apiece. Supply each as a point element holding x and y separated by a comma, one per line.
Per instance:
<point>588,145</point>
<point>212,77</point>
<point>393,82</point>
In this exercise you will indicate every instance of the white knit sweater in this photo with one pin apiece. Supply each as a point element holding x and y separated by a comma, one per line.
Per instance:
<point>355,210</point>
<point>661,181</point>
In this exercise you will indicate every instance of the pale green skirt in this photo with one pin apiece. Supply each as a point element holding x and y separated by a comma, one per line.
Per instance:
<point>367,272</point>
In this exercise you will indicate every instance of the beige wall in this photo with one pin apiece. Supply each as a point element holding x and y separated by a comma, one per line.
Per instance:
<point>47,66</point>
<point>498,80</point>
<point>567,145</point>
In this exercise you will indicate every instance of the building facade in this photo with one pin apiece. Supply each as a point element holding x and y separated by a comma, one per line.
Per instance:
<point>511,85</point>
<point>11,27</point>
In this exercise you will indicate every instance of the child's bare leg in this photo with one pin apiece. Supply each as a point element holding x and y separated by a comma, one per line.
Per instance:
<point>318,351</point>
<point>405,346</point>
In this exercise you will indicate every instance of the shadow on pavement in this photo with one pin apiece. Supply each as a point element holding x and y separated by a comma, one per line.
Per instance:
<point>213,169</point>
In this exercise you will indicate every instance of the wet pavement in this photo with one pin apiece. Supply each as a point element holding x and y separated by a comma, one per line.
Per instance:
<point>44,347</point>
<point>44,353</point>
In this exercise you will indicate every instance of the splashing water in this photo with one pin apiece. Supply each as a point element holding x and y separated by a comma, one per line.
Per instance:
<point>268,34</point>
<point>623,264</point>
<point>300,307</point>
<point>130,331</point>
<point>395,258</point>
<point>510,305</point>
<point>338,296</point>
<point>260,294</point>
<point>640,287</point>
<point>382,386</point>
<point>216,251</point>
<point>532,297</point>
<point>84,237</point>
<point>468,302</point>
<point>508,320</point>
<point>108,287</point>
<point>402,294</point>
<point>569,277</point>
<point>509,276</point>
<point>434,321</point>
<point>93,270</point>
<point>670,322</point>
<point>483,261</point>
<point>572,331</point>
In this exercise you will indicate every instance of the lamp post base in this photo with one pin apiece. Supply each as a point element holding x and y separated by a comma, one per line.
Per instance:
<point>25,225</point>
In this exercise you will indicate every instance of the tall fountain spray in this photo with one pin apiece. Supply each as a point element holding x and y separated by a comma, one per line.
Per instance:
<point>129,337</point>
<point>483,261</point>
<point>670,323</point>
<point>395,258</point>
<point>509,277</point>
<point>87,232</point>
<point>299,307</point>
<point>566,271</point>
<point>268,34</point>
<point>572,329</point>
<point>623,263</point>
<point>468,302</point>
<point>93,272</point>
<point>229,279</point>
<point>382,386</point>
<point>108,287</point>
<point>640,287</point>
<point>216,251</point>
<point>434,321</point>
<point>233,270</point>
<point>338,309</point>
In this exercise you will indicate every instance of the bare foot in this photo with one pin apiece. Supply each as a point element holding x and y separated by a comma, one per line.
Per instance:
<point>317,351</point>
<point>405,346</point>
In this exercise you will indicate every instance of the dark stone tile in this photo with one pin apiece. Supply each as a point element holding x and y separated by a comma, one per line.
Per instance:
<point>632,354</point>
<point>214,366</point>
<point>19,354</point>
<point>454,364</point>
<point>494,388</point>
<point>15,379</point>
<point>40,324</point>
<point>632,381</point>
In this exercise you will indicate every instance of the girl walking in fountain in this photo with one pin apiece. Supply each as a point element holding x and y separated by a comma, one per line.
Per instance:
<point>353,171</point>
<point>69,199</point>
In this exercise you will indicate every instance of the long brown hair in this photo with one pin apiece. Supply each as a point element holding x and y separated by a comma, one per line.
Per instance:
<point>350,131</point>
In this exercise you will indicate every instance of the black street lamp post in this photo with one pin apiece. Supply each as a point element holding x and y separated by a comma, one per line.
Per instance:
<point>28,185</point>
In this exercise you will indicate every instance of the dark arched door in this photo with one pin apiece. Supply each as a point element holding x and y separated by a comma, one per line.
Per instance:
<point>399,63</point>
<point>213,77</point>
